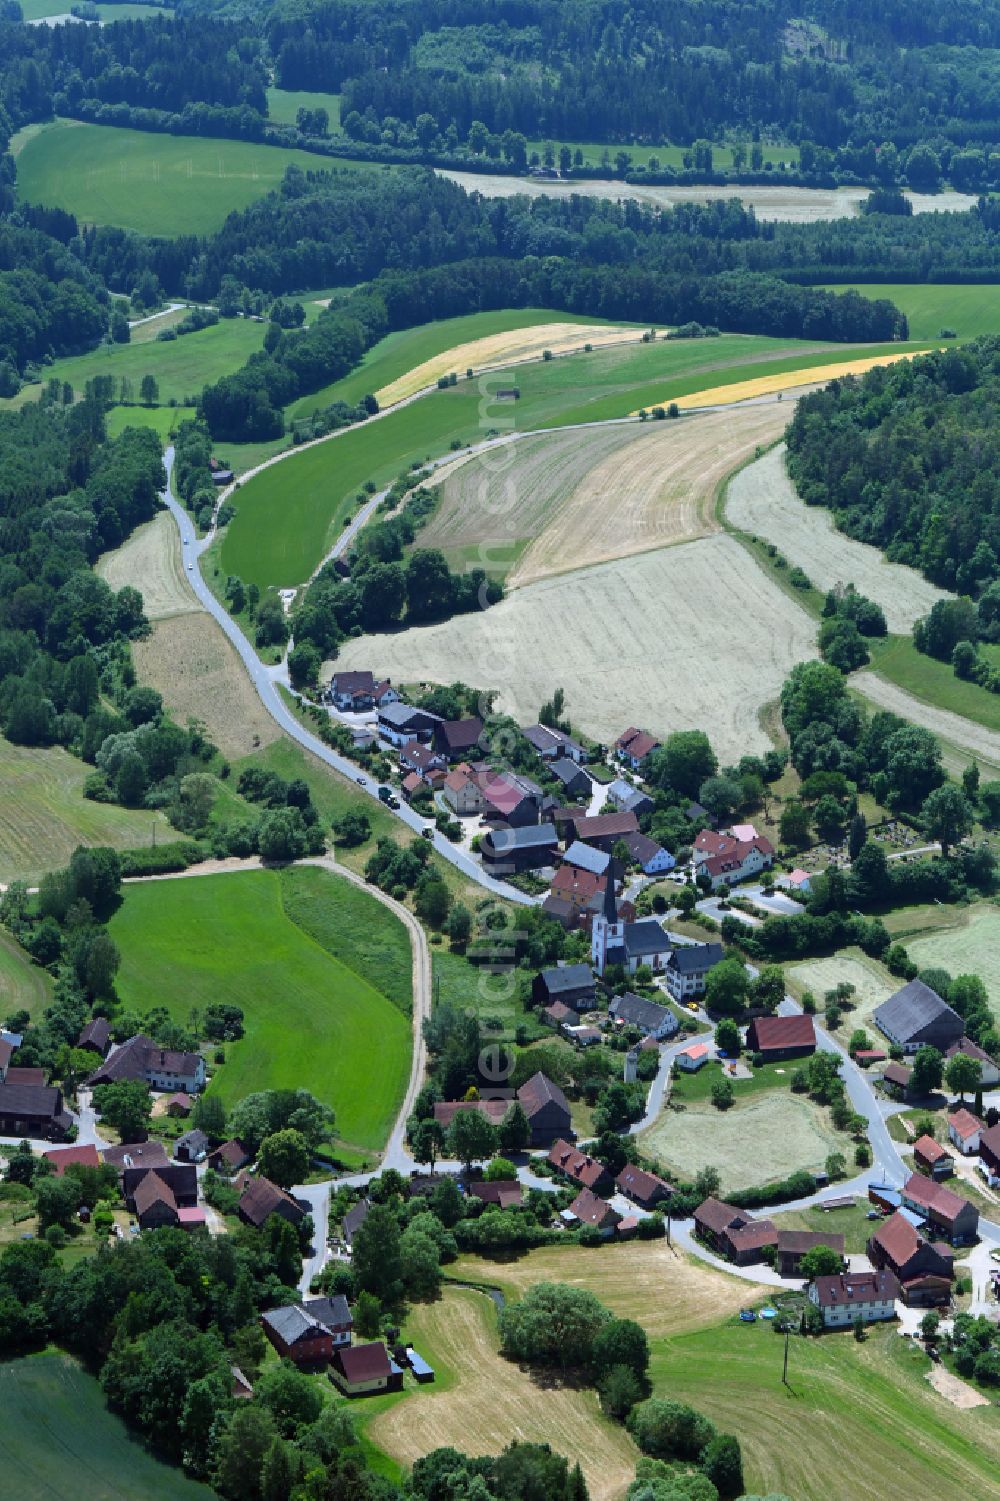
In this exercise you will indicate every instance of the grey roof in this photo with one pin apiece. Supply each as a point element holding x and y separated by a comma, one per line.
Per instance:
<point>642,848</point>
<point>638,1012</point>
<point>645,937</point>
<point>195,1141</point>
<point>567,977</point>
<point>913,1008</point>
<point>567,770</point>
<point>401,715</point>
<point>30,1099</point>
<point>532,836</point>
<point>586,857</point>
<point>540,736</point>
<point>355,1218</point>
<point>690,958</point>
<point>291,1323</point>
<point>334,1313</point>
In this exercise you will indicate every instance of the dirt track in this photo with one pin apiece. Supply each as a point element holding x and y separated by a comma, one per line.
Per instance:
<point>966,733</point>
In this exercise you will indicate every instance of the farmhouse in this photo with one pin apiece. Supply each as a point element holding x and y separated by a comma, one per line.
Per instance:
<point>645,1189</point>
<point>917,1017</point>
<point>32,1110</point>
<point>924,1271</point>
<point>507,851</point>
<point>628,799</point>
<point>354,691</point>
<point>360,1370</point>
<point>989,1071</point>
<point>573,780</point>
<point>652,858</point>
<point>726,859</point>
<point>551,744</point>
<point>849,1296</point>
<point>62,1157</point>
<point>794,1244</point>
<point>633,746</point>
<point>353,1220</point>
<point>897,1079</point>
<point>585,857</point>
<point>578,1166</point>
<point>385,693</point>
<point>297,1336</point>
<point>180,1177</point>
<point>462,792</point>
<point>604,829</point>
<point>588,1209</point>
<point>687,968</point>
<point>780,1037</point>
<point>931,1157</point>
<point>335,1316</point>
<point>964,1131</point>
<point>715,1220</point>
<point>456,738</point>
<point>947,1212</point>
<point>96,1036</point>
<point>505,1193</point>
<point>571,983</point>
<point>261,1198</point>
<point>989,1155</point>
<point>651,1019</point>
<point>399,724</point>
<point>161,1068</point>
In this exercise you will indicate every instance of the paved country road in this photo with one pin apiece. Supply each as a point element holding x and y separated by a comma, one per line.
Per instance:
<point>264,681</point>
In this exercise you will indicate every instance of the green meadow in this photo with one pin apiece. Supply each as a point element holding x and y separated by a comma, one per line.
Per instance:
<point>156,184</point>
<point>61,1440</point>
<point>287,517</point>
<point>667,156</point>
<point>24,986</point>
<point>323,1005</point>
<point>969,310</point>
<point>284,104</point>
<point>163,420</point>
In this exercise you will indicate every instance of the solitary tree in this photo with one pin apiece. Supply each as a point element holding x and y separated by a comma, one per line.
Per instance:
<point>427,1141</point>
<point>148,390</point>
<point>928,1068</point>
<point>471,1137</point>
<point>948,816</point>
<point>284,1157</point>
<point>962,1075</point>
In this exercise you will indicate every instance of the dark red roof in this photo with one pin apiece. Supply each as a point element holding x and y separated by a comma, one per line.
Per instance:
<point>577,1165</point>
<point>779,1032</point>
<point>590,1210</point>
<point>364,1362</point>
<point>61,1157</point>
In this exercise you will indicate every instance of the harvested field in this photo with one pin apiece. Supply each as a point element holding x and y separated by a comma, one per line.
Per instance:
<point>770,385</point>
<point>658,491</point>
<point>872,983</point>
<point>784,1131</point>
<point>799,205</point>
<point>151,561</point>
<point>971,947</point>
<point>44,814</point>
<point>499,350</point>
<point>644,628</point>
<point>763,501</point>
<point>489,1401</point>
<point>663,1289</point>
<point>967,734</point>
<point>189,660</point>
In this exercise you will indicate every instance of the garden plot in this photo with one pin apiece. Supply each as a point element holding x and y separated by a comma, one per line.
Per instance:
<point>971,948</point>
<point>763,501</point>
<point>151,561</point>
<point>872,984</point>
<point>490,1401</point>
<point>189,661</point>
<point>696,635</point>
<point>499,350</point>
<point>751,1144</point>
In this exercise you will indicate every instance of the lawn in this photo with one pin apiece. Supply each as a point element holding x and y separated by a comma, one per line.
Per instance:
<point>853,1224</point>
<point>761,1139</point>
<point>284,104</point>
<point>311,1021</point>
<point>852,1415</point>
<point>969,310</point>
<point>155,184</point>
<point>286,519</point>
<point>44,815</point>
<point>356,929</point>
<point>163,420</point>
<point>972,947</point>
<point>181,366</point>
<point>872,982</point>
<point>23,985</point>
<point>61,1440</point>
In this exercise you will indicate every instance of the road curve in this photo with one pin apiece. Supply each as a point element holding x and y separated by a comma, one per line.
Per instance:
<point>265,684</point>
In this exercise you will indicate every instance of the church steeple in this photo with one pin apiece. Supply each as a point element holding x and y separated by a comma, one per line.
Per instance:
<point>610,905</point>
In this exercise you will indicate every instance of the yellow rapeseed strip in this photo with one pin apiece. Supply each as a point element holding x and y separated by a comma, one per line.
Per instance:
<point>768,385</point>
<point>501,349</point>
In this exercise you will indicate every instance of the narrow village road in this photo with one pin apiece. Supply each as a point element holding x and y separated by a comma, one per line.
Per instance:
<point>267,692</point>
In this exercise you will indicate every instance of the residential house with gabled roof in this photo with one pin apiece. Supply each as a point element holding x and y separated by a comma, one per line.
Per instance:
<point>400,723</point>
<point>989,1155</point>
<point>651,1019</point>
<point>579,1166</point>
<point>572,779</point>
<point>362,1370</point>
<point>551,744</point>
<point>725,859</point>
<point>462,792</point>
<point>652,858</point>
<point>154,1203</point>
<point>989,1069</point>
<point>932,1158</point>
<point>686,970</point>
<point>845,1298</point>
<point>139,1057</point>
<point>645,1189</point>
<point>634,745</point>
<point>917,1017</point>
<point>964,1131</point>
<point>261,1198</point>
<point>455,739</point>
<point>573,984</point>
<point>134,1154</point>
<point>924,1271</point>
<point>352,691</point>
<point>180,1177</point>
<point>588,1209</point>
<point>334,1314</point>
<point>629,799</point>
<point>950,1215</point>
<point>603,829</point>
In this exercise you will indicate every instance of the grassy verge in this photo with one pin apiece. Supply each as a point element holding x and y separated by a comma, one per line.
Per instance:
<point>934,682</point>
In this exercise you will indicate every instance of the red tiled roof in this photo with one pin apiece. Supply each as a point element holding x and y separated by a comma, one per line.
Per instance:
<point>635,742</point>
<point>929,1149</point>
<point>605,826</point>
<point>591,1210</point>
<point>716,1215</point>
<point>61,1157</point>
<point>445,1111</point>
<point>753,1237</point>
<point>780,1032</point>
<point>934,1196</point>
<point>572,880</point>
<point>898,1239</point>
<point>151,1190</point>
<point>965,1124</point>
<point>848,1288</point>
<point>364,1362</point>
<point>576,1165</point>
